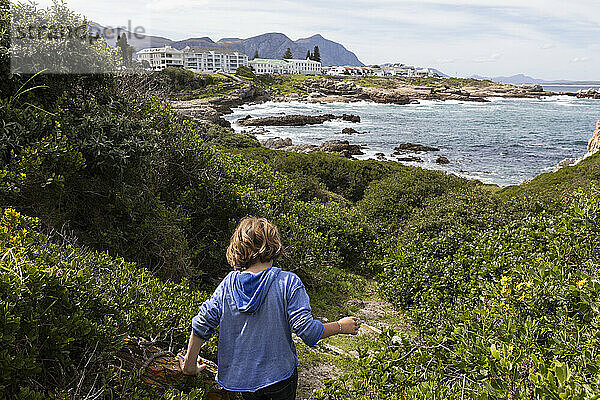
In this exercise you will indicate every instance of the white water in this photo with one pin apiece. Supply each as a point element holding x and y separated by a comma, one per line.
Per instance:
<point>504,141</point>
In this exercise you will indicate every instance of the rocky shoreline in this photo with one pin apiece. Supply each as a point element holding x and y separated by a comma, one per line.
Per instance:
<point>327,90</point>
<point>323,90</point>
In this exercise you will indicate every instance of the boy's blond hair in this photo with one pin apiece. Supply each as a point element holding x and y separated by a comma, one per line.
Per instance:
<point>254,239</point>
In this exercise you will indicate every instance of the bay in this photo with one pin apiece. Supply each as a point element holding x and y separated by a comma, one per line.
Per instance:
<point>503,142</point>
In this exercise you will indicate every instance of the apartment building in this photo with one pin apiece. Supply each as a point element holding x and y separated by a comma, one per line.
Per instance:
<point>159,58</point>
<point>285,66</point>
<point>206,59</point>
<point>197,59</point>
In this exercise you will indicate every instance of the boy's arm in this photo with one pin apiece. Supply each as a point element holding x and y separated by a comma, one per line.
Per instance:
<point>345,325</point>
<point>190,365</point>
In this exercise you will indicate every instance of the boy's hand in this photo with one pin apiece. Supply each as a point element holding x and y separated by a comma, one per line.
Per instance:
<point>349,325</point>
<point>188,367</point>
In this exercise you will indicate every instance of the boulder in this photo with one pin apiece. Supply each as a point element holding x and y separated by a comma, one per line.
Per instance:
<point>349,131</point>
<point>589,94</point>
<point>413,147</point>
<point>329,87</point>
<point>567,162</point>
<point>276,143</point>
<point>350,118</point>
<point>442,160</point>
<point>340,147</point>
<point>532,88</point>
<point>302,148</point>
<point>296,120</point>
<point>409,158</point>
<point>594,143</point>
<point>380,156</point>
<point>387,97</point>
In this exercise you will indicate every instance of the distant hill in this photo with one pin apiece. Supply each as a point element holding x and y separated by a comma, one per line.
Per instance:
<point>440,73</point>
<point>140,42</point>
<point>332,53</point>
<point>522,79</point>
<point>268,45</point>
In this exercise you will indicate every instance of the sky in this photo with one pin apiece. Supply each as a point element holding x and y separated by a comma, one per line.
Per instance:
<point>546,39</point>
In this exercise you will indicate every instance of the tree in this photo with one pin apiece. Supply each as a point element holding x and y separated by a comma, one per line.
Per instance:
<point>39,50</point>
<point>316,54</point>
<point>288,54</point>
<point>308,55</point>
<point>126,49</point>
<point>255,54</point>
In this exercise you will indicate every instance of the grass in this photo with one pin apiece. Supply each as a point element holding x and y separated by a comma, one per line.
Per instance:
<point>345,364</point>
<point>292,84</point>
<point>553,185</point>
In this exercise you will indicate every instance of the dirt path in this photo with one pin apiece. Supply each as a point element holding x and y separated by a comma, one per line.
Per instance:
<point>334,356</point>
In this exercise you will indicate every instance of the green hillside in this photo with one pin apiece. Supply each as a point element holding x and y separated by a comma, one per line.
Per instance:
<point>116,212</point>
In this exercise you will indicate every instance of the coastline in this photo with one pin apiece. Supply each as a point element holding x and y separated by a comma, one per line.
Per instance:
<point>212,110</point>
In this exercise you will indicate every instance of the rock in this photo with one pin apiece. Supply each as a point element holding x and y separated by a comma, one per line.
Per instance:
<point>350,117</point>
<point>330,87</point>
<point>380,156</point>
<point>245,118</point>
<point>349,131</point>
<point>532,88</point>
<point>200,111</point>
<point>160,367</point>
<point>567,162</point>
<point>297,120</point>
<point>442,160</point>
<point>589,94</point>
<point>276,143</point>
<point>302,148</point>
<point>412,147</point>
<point>387,96</point>
<point>594,143</point>
<point>340,147</point>
<point>409,159</point>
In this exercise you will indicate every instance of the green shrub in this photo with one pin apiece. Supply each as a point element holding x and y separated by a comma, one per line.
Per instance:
<point>348,178</point>
<point>65,313</point>
<point>392,199</point>
<point>521,323</point>
<point>552,188</point>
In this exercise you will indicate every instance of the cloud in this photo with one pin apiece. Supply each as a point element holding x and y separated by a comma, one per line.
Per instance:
<point>445,60</point>
<point>580,59</point>
<point>548,46</point>
<point>493,58</point>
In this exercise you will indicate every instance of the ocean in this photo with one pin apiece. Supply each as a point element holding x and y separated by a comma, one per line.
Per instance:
<point>556,87</point>
<point>503,142</point>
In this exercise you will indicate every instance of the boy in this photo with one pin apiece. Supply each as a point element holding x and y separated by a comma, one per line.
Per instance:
<point>258,306</point>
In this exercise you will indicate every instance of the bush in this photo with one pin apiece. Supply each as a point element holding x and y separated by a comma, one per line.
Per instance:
<point>348,178</point>
<point>520,325</point>
<point>392,199</point>
<point>65,313</point>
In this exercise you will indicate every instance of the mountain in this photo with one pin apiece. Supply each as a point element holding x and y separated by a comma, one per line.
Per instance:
<point>332,53</point>
<point>518,79</point>
<point>268,45</point>
<point>140,41</point>
<point>521,79</point>
<point>440,73</point>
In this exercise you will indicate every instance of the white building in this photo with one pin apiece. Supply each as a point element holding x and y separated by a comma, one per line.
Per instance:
<point>352,71</point>
<point>206,59</point>
<point>197,59</point>
<point>160,58</point>
<point>285,66</point>
<point>407,71</point>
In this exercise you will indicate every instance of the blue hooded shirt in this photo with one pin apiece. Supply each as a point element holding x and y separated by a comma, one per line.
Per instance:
<point>257,314</point>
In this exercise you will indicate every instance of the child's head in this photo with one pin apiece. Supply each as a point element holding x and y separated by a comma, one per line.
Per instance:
<point>254,240</point>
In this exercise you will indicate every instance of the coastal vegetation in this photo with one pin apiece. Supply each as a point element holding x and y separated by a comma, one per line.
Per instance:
<point>116,211</point>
